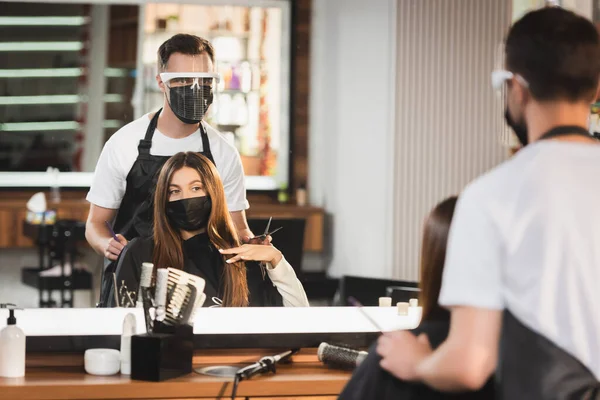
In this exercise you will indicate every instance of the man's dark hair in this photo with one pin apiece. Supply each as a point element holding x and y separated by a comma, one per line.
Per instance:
<point>558,54</point>
<point>184,44</point>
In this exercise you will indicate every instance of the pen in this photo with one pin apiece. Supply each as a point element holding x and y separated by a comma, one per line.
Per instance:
<point>110,229</point>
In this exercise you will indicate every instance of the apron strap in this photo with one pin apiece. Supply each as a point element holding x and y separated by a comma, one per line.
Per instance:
<point>206,144</point>
<point>566,130</point>
<point>146,143</point>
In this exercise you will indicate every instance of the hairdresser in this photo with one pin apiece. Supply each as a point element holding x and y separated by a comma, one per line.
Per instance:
<point>122,190</point>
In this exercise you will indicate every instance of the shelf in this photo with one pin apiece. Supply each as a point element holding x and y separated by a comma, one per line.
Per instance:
<point>130,21</point>
<point>80,280</point>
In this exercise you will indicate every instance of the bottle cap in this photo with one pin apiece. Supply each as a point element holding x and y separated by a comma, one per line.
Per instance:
<point>11,320</point>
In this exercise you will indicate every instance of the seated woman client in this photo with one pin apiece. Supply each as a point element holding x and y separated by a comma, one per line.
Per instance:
<point>370,381</point>
<point>193,231</point>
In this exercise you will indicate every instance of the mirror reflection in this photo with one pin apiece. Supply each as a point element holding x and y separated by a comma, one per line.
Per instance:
<point>96,98</point>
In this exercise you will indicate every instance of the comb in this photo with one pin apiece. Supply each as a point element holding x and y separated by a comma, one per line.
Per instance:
<point>185,293</point>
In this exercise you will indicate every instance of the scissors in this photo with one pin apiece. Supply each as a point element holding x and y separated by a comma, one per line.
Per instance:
<point>267,233</point>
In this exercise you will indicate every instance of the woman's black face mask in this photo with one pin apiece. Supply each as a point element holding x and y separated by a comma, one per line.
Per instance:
<point>189,214</point>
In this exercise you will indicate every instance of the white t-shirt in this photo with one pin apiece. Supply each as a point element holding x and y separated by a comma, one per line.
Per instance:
<point>526,237</point>
<point>121,150</point>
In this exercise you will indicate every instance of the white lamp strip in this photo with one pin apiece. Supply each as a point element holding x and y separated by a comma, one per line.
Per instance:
<point>41,46</point>
<point>57,72</point>
<point>55,99</point>
<point>43,21</point>
<point>51,126</point>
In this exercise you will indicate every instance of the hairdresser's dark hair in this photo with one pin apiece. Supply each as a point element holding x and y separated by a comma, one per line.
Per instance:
<point>558,54</point>
<point>185,44</point>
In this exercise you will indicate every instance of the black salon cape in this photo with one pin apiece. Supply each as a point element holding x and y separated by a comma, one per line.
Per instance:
<point>201,258</point>
<point>370,381</point>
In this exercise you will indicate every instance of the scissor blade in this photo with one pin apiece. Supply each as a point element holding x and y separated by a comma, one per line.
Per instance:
<point>268,226</point>
<point>275,230</point>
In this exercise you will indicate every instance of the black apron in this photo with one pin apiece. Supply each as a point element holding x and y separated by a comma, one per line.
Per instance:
<point>532,367</point>
<point>134,218</point>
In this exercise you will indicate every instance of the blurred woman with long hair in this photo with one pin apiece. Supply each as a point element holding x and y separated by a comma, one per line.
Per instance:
<point>193,231</point>
<point>370,381</point>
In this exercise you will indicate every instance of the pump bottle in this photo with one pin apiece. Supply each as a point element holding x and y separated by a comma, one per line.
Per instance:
<point>12,349</point>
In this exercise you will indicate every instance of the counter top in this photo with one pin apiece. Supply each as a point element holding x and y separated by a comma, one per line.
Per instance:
<point>305,376</point>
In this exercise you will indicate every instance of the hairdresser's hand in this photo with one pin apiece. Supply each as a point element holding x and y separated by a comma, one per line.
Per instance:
<point>257,240</point>
<point>402,352</point>
<point>254,252</point>
<point>113,248</point>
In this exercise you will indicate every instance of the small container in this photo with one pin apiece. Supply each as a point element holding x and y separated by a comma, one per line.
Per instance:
<point>402,308</point>
<point>414,302</point>
<point>301,196</point>
<point>102,361</point>
<point>163,354</point>
<point>12,349</point>
<point>385,302</point>
<point>282,195</point>
<point>129,329</point>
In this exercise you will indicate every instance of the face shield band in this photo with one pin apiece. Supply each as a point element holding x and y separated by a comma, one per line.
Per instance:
<point>190,94</point>
<point>499,78</point>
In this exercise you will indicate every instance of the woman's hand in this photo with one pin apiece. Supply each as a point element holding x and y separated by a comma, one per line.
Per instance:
<point>254,252</point>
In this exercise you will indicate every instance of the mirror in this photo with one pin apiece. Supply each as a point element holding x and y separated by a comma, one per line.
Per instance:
<point>72,74</point>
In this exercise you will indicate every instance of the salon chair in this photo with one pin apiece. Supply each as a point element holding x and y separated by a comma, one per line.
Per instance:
<point>368,290</point>
<point>402,293</point>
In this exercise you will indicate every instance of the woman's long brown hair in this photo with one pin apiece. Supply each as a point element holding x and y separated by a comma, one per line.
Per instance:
<point>433,255</point>
<point>168,249</point>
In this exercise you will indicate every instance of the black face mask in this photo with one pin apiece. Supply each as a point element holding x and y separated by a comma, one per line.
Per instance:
<point>519,129</point>
<point>190,103</point>
<point>189,214</point>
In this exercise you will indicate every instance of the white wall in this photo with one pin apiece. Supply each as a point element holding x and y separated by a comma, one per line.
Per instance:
<point>450,123</point>
<point>351,130</point>
<point>402,115</point>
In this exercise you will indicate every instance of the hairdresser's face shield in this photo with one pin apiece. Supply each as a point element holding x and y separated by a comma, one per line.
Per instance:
<point>501,80</point>
<point>190,94</point>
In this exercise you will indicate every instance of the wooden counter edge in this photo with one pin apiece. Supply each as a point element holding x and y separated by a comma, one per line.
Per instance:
<point>298,379</point>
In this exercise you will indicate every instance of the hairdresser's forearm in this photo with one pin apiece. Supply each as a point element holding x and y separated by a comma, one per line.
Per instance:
<point>97,236</point>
